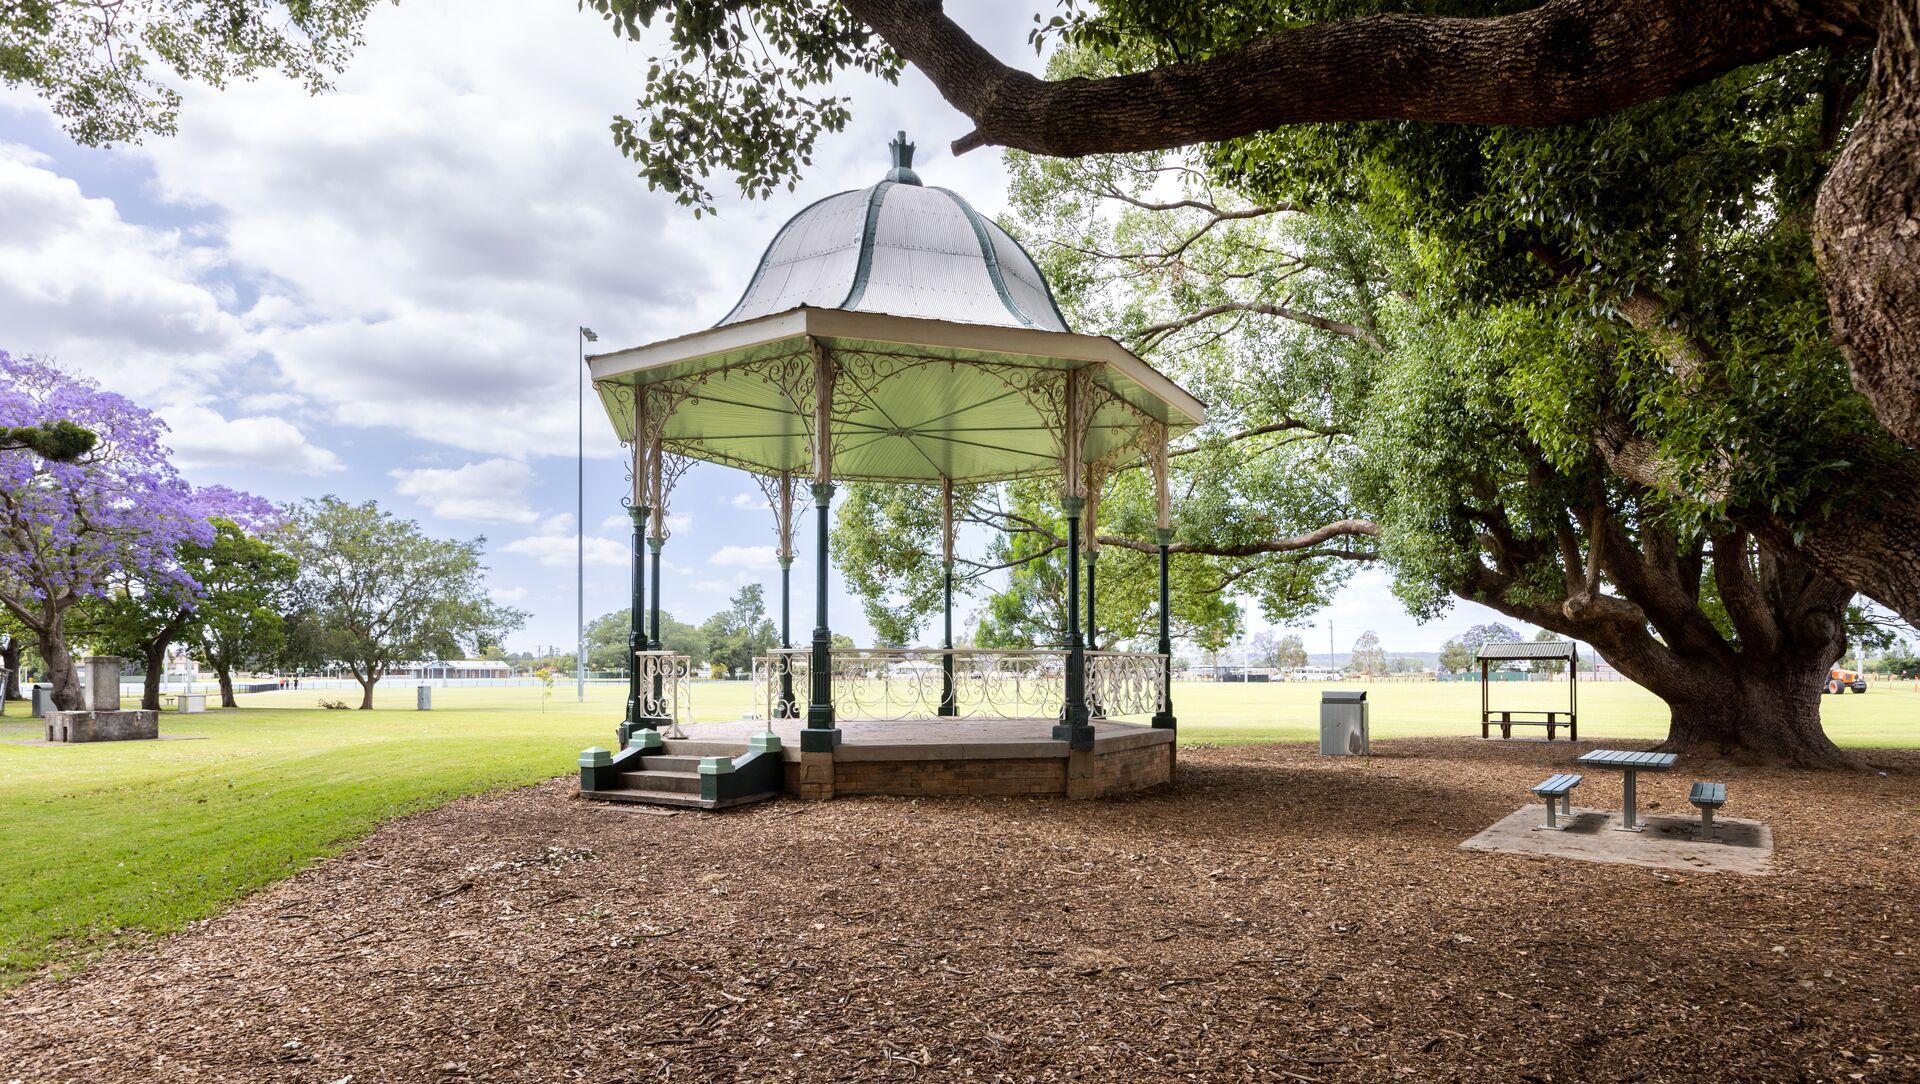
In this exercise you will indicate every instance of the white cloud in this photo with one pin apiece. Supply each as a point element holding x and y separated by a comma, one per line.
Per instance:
<point>554,546</point>
<point>201,437</point>
<point>757,557</point>
<point>130,305</point>
<point>507,594</point>
<point>750,501</point>
<point>490,491</point>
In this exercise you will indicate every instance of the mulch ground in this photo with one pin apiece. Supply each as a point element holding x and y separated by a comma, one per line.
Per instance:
<point>1272,916</point>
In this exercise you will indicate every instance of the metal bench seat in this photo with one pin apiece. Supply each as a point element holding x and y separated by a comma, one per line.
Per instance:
<point>1707,797</point>
<point>1557,789</point>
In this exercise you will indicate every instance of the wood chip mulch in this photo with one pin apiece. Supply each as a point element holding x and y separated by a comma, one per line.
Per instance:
<point>1272,916</point>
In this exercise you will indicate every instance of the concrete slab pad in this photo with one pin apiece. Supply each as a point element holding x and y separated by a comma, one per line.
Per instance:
<point>1742,846</point>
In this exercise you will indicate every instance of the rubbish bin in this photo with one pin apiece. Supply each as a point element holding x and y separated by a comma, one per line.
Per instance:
<point>425,701</point>
<point>1343,723</point>
<point>42,700</point>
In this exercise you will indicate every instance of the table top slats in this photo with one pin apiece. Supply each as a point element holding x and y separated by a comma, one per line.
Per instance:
<point>1626,759</point>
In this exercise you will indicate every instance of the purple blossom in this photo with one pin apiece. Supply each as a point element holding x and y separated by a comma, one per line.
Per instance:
<point>122,511</point>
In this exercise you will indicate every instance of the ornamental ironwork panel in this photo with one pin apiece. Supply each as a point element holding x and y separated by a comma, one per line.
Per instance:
<point>907,683</point>
<point>1125,682</point>
<point>666,687</point>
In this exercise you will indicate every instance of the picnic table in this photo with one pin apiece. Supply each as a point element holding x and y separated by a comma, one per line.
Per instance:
<point>1629,764</point>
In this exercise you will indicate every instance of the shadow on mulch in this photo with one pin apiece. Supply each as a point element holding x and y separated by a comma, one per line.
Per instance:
<point>1273,915</point>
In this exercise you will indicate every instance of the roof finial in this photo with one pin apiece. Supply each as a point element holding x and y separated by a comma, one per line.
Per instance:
<point>902,171</point>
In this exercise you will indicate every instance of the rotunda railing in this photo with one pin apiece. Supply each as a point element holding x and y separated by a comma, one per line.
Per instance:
<point>910,683</point>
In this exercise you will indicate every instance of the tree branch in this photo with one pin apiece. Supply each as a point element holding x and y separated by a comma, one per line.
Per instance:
<point>1294,544</point>
<point>1282,311</point>
<point>1565,60</point>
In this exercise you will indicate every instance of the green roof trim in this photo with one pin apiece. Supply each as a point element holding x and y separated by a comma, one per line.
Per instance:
<point>989,255</point>
<point>863,270</point>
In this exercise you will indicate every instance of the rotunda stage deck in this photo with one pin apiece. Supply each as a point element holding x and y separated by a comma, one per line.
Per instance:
<point>949,757</point>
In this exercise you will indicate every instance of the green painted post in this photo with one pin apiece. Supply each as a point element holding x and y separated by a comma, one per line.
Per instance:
<point>1074,727</point>
<point>1163,719</point>
<point>637,617</point>
<point>821,735</point>
<point>596,768</point>
<point>659,688</point>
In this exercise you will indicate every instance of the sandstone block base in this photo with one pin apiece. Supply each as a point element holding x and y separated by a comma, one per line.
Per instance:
<point>87,726</point>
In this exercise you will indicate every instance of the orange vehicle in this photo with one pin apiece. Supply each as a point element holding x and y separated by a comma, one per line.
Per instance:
<point>1839,681</point>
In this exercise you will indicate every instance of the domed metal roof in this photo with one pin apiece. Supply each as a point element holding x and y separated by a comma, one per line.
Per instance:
<point>902,249</point>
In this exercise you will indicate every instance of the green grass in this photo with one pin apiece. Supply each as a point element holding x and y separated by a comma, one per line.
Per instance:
<point>117,841</point>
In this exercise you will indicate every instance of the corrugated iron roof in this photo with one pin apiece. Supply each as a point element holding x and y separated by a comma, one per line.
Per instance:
<point>902,249</point>
<point>1539,649</point>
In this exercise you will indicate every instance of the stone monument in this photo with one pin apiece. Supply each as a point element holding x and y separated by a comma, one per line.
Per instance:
<point>103,719</point>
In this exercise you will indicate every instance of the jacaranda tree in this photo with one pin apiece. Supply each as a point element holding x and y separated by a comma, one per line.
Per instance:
<point>72,530</point>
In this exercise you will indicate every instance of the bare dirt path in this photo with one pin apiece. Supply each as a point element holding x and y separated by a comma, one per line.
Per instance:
<point>1273,916</point>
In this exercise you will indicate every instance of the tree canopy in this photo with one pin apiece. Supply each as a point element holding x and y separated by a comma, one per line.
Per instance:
<point>381,591</point>
<point>109,70</point>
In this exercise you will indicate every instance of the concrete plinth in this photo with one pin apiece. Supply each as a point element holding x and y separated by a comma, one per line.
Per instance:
<point>87,726</point>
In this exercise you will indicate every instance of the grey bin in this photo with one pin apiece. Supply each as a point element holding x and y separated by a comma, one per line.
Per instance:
<point>42,700</point>
<point>425,701</point>
<point>1343,723</point>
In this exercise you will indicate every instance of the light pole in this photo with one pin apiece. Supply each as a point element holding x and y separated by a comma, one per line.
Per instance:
<point>580,524</point>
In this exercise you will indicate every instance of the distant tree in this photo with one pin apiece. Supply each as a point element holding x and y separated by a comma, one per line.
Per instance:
<point>246,582</point>
<point>1899,662</point>
<point>741,631</point>
<point>1549,666</point>
<point>1368,656</point>
<point>379,591</point>
<point>1491,633</point>
<point>1405,664</point>
<point>1455,656</point>
<point>1289,652</point>
<point>607,640</point>
<point>138,619</point>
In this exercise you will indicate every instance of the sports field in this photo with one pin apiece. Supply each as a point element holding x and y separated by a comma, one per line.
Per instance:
<point>113,842</point>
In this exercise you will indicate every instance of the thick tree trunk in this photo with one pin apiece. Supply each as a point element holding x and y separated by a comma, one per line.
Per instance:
<point>1755,713</point>
<point>225,674</point>
<point>10,662</point>
<point>1867,229</point>
<point>366,686</point>
<point>155,657</point>
<point>1743,705</point>
<point>67,693</point>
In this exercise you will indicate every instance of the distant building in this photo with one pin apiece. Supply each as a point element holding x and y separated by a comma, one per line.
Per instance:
<point>453,670</point>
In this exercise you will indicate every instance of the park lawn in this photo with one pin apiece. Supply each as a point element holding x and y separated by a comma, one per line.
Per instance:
<point>114,842</point>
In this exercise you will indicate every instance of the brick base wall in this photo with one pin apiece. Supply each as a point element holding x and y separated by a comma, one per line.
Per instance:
<point>1109,772</point>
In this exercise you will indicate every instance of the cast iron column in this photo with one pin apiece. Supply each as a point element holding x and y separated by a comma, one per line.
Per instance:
<point>1093,622</point>
<point>1163,719</point>
<point>785,708</point>
<point>637,617</point>
<point>947,705</point>
<point>658,687</point>
<point>820,735</point>
<point>1074,728</point>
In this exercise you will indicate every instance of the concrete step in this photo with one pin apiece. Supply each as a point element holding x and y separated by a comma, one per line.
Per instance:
<point>660,763</point>
<point>650,797</point>
<point>650,779</point>
<point>674,798</point>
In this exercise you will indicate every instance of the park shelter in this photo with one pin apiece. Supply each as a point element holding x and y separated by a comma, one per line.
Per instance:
<point>1505,718</point>
<point>894,335</point>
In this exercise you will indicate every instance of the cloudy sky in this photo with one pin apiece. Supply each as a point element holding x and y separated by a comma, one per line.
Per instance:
<point>374,292</point>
